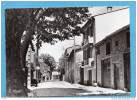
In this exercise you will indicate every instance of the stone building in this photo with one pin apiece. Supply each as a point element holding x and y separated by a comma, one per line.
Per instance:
<point>72,64</point>
<point>113,60</point>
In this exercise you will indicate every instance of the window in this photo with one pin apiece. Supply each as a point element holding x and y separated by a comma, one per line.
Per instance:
<point>128,39</point>
<point>98,50</point>
<point>116,43</point>
<point>108,48</point>
<point>84,54</point>
<point>91,51</point>
<point>88,31</point>
<point>92,63</point>
<point>88,53</point>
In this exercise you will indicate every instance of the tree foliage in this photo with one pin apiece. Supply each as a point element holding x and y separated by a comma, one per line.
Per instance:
<point>48,60</point>
<point>58,23</point>
<point>42,24</point>
<point>62,64</point>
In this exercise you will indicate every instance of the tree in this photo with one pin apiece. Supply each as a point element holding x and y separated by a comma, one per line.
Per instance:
<point>49,60</point>
<point>62,65</point>
<point>47,25</point>
<point>15,22</point>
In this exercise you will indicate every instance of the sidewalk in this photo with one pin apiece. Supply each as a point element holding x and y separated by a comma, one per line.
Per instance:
<point>100,90</point>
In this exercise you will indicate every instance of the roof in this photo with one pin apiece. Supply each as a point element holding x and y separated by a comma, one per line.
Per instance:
<point>89,22</point>
<point>113,34</point>
<point>70,49</point>
<point>78,48</point>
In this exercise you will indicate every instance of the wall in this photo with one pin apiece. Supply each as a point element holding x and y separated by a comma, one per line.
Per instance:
<point>79,59</point>
<point>116,57</point>
<point>72,73</point>
<point>108,23</point>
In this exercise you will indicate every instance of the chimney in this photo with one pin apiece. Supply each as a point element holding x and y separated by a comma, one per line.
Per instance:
<point>109,9</point>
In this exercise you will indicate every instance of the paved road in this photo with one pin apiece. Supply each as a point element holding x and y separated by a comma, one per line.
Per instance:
<point>49,92</point>
<point>62,88</point>
<point>57,92</point>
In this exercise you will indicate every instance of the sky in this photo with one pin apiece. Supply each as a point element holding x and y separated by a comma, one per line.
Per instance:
<point>105,25</point>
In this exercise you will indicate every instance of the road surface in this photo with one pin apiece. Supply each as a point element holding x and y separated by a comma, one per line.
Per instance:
<point>57,92</point>
<point>62,88</point>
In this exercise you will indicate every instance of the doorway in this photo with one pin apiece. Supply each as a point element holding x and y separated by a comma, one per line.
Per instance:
<point>82,75</point>
<point>89,77</point>
<point>105,67</point>
<point>127,76</point>
<point>116,76</point>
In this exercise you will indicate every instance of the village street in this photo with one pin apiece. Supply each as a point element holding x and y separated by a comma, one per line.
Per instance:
<point>80,51</point>
<point>62,88</point>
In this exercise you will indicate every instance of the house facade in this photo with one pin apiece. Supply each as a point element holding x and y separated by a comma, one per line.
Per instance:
<point>88,70</point>
<point>113,60</point>
<point>73,64</point>
<point>96,29</point>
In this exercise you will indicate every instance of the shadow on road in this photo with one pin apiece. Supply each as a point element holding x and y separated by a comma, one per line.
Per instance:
<point>60,92</point>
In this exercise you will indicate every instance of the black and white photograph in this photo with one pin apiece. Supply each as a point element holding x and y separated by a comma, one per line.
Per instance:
<point>68,51</point>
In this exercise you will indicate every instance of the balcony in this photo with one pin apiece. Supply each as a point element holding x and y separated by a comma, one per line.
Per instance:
<point>88,63</point>
<point>87,42</point>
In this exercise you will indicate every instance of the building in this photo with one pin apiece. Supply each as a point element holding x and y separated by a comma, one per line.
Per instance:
<point>88,70</point>
<point>113,60</point>
<point>107,21</point>
<point>55,75</point>
<point>31,67</point>
<point>103,22</point>
<point>73,63</point>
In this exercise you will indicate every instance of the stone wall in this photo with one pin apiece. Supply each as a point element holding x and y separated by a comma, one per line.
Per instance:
<point>116,58</point>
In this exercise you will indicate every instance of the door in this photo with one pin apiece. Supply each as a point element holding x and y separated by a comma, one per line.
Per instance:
<point>89,77</point>
<point>116,76</point>
<point>82,75</point>
<point>127,77</point>
<point>105,66</point>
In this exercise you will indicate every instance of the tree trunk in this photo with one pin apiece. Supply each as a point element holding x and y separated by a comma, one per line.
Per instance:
<point>14,77</point>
